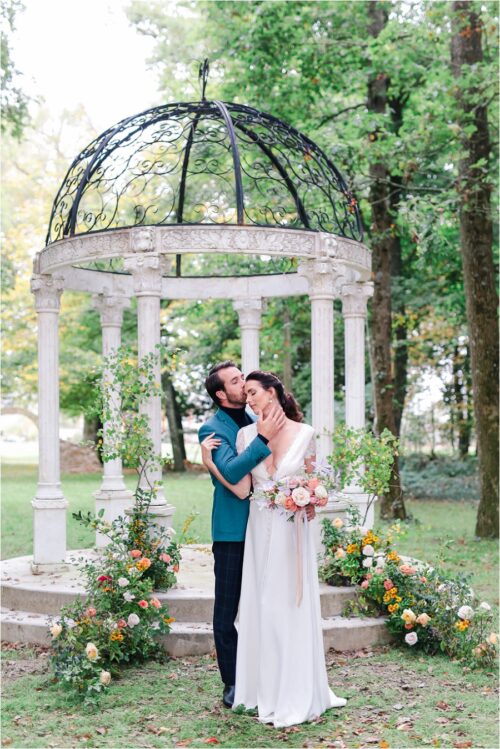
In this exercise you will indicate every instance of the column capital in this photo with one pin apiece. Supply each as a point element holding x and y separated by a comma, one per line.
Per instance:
<point>47,290</point>
<point>111,309</point>
<point>146,271</point>
<point>325,277</point>
<point>355,297</point>
<point>249,312</point>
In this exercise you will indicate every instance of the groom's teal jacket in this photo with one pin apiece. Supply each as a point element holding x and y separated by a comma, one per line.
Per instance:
<point>229,513</point>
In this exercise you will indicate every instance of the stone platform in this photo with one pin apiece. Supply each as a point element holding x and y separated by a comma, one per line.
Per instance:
<point>28,600</point>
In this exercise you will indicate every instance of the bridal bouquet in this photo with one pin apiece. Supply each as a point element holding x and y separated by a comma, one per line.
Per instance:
<point>292,493</point>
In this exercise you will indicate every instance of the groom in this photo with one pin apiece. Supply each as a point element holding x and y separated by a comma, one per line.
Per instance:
<point>226,386</point>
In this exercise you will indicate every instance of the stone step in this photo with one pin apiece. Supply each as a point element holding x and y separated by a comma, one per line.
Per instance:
<point>196,638</point>
<point>184,604</point>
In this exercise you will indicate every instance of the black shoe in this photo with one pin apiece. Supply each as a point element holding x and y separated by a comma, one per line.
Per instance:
<point>228,695</point>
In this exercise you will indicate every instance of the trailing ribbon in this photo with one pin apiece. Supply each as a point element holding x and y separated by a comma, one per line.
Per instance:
<point>299,524</point>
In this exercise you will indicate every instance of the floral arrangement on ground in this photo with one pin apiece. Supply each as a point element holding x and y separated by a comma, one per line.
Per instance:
<point>120,618</point>
<point>424,609</point>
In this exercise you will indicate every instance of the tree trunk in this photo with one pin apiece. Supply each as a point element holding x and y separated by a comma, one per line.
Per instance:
<point>400,358</point>
<point>392,505</point>
<point>174,419</point>
<point>476,242</point>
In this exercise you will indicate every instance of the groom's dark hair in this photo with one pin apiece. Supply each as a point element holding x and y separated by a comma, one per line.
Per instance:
<point>213,383</point>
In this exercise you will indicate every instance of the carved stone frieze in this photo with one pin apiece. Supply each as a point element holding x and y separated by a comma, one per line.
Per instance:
<point>47,290</point>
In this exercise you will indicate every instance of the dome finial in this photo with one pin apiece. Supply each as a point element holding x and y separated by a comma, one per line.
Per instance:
<point>203,76</point>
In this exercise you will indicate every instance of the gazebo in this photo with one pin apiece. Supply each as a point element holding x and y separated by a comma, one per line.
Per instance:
<point>198,200</point>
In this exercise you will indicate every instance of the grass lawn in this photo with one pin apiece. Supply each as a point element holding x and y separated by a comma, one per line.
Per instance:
<point>394,700</point>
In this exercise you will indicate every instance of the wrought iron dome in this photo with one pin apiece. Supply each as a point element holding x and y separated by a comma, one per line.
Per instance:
<point>203,162</point>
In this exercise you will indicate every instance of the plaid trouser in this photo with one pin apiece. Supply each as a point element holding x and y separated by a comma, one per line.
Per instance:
<point>228,567</point>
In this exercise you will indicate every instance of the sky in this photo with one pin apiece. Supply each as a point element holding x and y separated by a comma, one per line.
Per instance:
<point>84,52</point>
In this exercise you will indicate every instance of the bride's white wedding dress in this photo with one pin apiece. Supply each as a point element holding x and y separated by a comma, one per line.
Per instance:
<point>280,666</point>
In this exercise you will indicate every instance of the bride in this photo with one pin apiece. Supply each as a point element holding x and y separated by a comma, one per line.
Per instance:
<point>280,664</point>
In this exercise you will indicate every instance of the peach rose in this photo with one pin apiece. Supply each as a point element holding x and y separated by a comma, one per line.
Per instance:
<point>121,623</point>
<point>312,483</point>
<point>423,619</point>
<point>340,554</point>
<point>55,630</point>
<point>364,584</point>
<point>322,501</point>
<point>165,558</point>
<point>135,553</point>
<point>92,651</point>
<point>175,568</point>
<point>143,564</point>
<point>338,523</point>
<point>90,611</point>
<point>290,504</point>
<point>388,584</point>
<point>155,603</point>
<point>492,638</point>
<point>105,678</point>
<point>408,616</point>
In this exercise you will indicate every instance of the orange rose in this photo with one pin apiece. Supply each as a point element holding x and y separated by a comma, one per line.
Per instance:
<point>175,568</point>
<point>290,504</point>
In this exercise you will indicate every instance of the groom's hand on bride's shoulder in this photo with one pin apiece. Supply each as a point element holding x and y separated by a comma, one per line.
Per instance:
<point>269,426</point>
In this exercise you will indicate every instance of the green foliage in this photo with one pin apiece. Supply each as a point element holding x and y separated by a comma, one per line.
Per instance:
<point>13,101</point>
<point>359,457</point>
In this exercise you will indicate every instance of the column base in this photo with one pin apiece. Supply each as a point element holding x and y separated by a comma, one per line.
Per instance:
<point>115,503</point>
<point>49,531</point>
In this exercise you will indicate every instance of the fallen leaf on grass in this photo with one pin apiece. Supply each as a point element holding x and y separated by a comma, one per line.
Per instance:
<point>101,731</point>
<point>383,744</point>
<point>183,742</point>
<point>211,740</point>
<point>462,744</point>
<point>6,742</point>
<point>442,720</point>
<point>442,705</point>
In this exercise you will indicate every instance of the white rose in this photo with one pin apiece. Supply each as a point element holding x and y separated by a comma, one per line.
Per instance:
<point>123,582</point>
<point>380,562</point>
<point>321,493</point>
<point>301,496</point>
<point>128,596</point>
<point>133,620</point>
<point>55,630</point>
<point>485,606</point>
<point>280,499</point>
<point>70,623</point>
<point>411,638</point>
<point>368,562</point>
<point>465,612</point>
<point>105,678</point>
<point>92,651</point>
<point>368,550</point>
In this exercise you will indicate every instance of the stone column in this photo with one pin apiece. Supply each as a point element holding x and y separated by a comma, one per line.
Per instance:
<point>113,496</point>
<point>249,316</point>
<point>321,276</point>
<point>49,504</point>
<point>146,272</point>
<point>354,301</point>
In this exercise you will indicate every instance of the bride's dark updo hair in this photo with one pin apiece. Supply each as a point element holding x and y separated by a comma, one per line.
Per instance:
<point>286,400</point>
